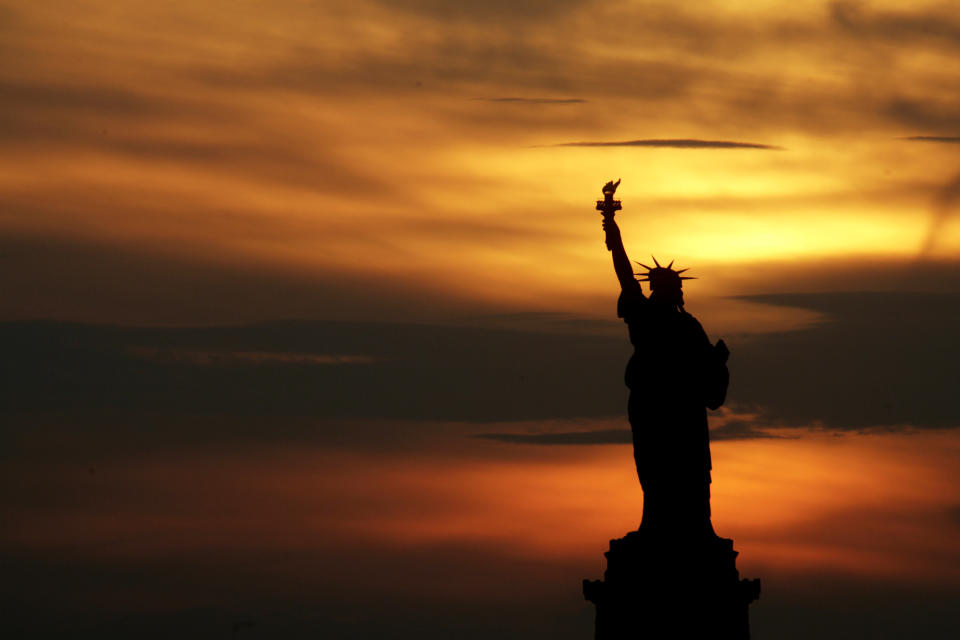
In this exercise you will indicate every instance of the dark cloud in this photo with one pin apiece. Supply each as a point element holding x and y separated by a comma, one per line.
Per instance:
<point>567,324</point>
<point>457,62</point>
<point>84,99</point>
<point>740,429</point>
<point>493,10</point>
<point>678,143</point>
<point>611,436</point>
<point>506,49</point>
<point>135,123</point>
<point>953,515</point>
<point>943,139</point>
<point>537,100</point>
<point>840,274</point>
<point>903,26</point>
<point>518,60</point>
<point>880,359</point>
<point>395,371</point>
<point>100,281</point>
<point>732,429</point>
<point>923,115</point>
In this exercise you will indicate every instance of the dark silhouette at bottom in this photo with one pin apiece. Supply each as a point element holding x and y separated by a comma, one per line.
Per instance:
<point>674,577</point>
<point>671,587</point>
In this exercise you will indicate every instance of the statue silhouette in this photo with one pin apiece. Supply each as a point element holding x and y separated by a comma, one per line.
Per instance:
<point>674,375</point>
<point>673,577</point>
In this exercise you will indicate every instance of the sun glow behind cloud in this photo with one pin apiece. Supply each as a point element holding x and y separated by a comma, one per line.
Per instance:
<point>268,134</point>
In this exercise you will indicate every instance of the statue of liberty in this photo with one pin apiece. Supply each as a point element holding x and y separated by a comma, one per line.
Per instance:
<point>674,375</point>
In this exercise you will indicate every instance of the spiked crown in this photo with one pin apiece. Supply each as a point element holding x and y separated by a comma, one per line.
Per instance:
<point>661,277</point>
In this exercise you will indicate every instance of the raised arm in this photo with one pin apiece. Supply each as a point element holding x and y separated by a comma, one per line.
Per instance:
<point>621,264</point>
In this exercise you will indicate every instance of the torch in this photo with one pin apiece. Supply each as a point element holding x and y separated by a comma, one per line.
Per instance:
<point>608,206</point>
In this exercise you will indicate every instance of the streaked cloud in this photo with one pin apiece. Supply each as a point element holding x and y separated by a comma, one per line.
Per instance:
<point>917,25</point>
<point>201,357</point>
<point>618,436</point>
<point>724,425</point>
<point>882,371</point>
<point>675,143</point>
<point>536,100</point>
<point>488,372</point>
<point>732,431</point>
<point>496,11</point>
<point>943,139</point>
<point>944,210</point>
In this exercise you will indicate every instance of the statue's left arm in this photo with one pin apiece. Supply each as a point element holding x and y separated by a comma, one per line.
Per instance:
<point>718,376</point>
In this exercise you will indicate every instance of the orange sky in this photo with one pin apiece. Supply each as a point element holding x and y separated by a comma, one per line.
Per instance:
<point>431,167</point>
<point>874,507</point>
<point>372,141</point>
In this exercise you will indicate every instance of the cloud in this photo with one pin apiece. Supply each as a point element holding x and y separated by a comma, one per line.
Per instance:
<point>612,436</point>
<point>132,284</point>
<point>396,371</point>
<point>489,10</point>
<point>676,143</point>
<point>881,359</point>
<point>740,429</point>
<point>919,25</point>
<point>943,139</point>
<point>944,202</point>
<point>725,424</point>
<point>139,124</point>
<point>732,430</point>
<point>953,515</point>
<point>536,100</point>
<point>227,357</point>
<point>79,99</point>
<point>430,42</point>
<point>924,114</point>
<point>944,209</point>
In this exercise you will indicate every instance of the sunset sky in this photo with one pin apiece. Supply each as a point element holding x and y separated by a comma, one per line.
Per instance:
<point>309,329</point>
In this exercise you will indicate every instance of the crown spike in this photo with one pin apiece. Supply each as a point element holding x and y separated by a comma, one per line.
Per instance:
<point>682,270</point>
<point>643,265</point>
<point>688,277</point>
<point>671,263</point>
<point>655,260</point>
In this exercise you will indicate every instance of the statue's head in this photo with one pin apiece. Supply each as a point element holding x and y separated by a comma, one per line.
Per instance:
<point>666,285</point>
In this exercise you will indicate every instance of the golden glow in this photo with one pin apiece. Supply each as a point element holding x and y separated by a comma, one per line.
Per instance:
<point>852,504</point>
<point>354,139</point>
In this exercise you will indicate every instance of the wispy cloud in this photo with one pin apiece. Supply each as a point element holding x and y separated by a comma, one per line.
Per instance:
<point>536,100</point>
<point>740,429</point>
<point>944,209</point>
<point>943,139</point>
<point>728,425</point>
<point>607,436</point>
<point>673,143</point>
<point>210,357</point>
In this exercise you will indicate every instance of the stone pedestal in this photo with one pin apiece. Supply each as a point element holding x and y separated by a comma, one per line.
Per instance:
<point>662,586</point>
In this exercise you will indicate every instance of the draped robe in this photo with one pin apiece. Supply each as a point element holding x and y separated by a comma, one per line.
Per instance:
<point>674,374</point>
